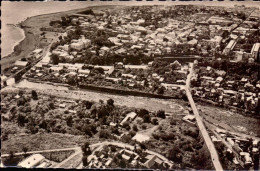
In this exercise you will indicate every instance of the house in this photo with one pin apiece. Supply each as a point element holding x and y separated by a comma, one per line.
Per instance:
<point>31,161</point>
<point>190,118</point>
<point>38,66</point>
<point>107,69</point>
<point>177,64</point>
<point>220,73</point>
<point>37,51</point>
<point>84,72</point>
<point>108,162</point>
<point>55,69</point>
<point>103,50</point>
<point>150,64</point>
<point>130,116</point>
<point>246,157</point>
<point>152,160</point>
<point>21,63</point>
<point>144,67</point>
<point>119,65</point>
<point>141,137</point>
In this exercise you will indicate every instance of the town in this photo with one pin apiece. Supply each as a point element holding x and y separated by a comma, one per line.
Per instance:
<point>178,54</point>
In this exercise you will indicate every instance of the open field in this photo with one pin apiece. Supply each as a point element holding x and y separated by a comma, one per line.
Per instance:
<point>230,120</point>
<point>41,141</point>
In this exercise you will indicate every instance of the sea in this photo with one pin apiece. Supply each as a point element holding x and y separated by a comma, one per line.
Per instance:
<point>15,12</point>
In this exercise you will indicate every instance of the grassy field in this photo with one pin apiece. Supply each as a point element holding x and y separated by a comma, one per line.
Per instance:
<point>231,121</point>
<point>42,141</point>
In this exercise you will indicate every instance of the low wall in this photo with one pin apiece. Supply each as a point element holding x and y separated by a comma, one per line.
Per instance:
<point>126,92</point>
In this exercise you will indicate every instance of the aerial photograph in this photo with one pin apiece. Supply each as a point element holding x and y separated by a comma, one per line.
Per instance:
<point>147,85</point>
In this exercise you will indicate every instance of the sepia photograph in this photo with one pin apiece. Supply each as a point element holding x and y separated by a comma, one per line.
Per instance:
<point>147,85</point>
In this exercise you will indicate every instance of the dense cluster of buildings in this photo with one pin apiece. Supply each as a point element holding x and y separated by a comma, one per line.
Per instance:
<point>247,149</point>
<point>137,77</point>
<point>105,157</point>
<point>213,85</point>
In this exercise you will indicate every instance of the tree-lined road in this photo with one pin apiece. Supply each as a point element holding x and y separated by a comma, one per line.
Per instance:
<point>207,139</point>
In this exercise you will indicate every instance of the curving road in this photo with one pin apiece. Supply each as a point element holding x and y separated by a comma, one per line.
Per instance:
<point>207,139</point>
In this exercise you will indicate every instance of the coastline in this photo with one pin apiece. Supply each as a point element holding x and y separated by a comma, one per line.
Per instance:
<point>31,29</point>
<point>17,26</point>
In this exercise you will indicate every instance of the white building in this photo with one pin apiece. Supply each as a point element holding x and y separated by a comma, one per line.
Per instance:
<point>255,51</point>
<point>31,161</point>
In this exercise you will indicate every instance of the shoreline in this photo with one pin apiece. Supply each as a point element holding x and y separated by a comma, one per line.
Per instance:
<point>18,42</point>
<point>30,27</point>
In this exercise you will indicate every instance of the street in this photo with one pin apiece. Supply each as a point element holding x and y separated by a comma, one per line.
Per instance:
<point>207,139</point>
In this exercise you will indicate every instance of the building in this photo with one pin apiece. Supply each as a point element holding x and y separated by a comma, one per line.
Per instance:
<point>32,161</point>
<point>229,47</point>
<point>130,116</point>
<point>141,137</point>
<point>152,160</point>
<point>21,63</point>
<point>255,51</point>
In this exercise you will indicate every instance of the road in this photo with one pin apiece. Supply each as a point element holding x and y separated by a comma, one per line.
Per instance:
<point>75,157</point>
<point>43,151</point>
<point>207,139</point>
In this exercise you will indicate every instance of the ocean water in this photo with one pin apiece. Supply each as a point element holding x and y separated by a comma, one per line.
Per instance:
<point>15,12</point>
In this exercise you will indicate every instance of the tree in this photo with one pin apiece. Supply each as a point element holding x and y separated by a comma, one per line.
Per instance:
<point>126,125</point>
<point>25,149</point>
<point>161,114</point>
<point>21,102</point>
<point>146,118</point>
<point>51,105</point>
<point>113,148</point>
<point>174,154</point>
<point>21,93</point>
<point>110,102</point>
<point>122,164</point>
<point>160,90</point>
<point>69,120</point>
<point>143,112</point>
<point>55,59</point>
<point>155,121</point>
<point>88,104</point>
<point>135,128</point>
<point>21,119</point>
<point>85,161</point>
<point>34,95</point>
<point>86,149</point>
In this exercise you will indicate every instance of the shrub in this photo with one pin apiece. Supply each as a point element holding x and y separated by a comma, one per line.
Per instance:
<point>155,136</point>
<point>193,132</point>
<point>132,133</point>
<point>104,134</point>
<point>173,121</point>
<point>34,95</point>
<point>110,102</point>
<point>155,121</point>
<point>161,114</point>
<point>135,127</point>
<point>126,125</point>
<point>144,126</point>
